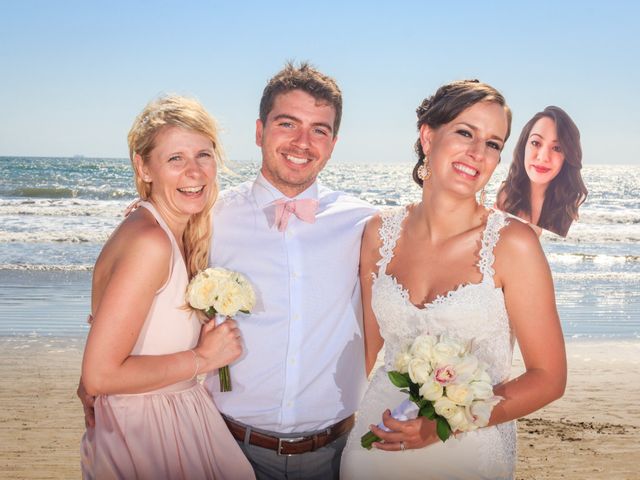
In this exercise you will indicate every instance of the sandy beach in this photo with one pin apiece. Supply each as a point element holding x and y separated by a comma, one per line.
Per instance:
<point>593,432</point>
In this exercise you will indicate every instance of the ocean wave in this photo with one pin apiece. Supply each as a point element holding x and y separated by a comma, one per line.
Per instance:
<point>75,207</point>
<point>44,192</point>
<point>605,336</point>
<point>100,192</point>
<point>590,233</point>
<point>624,215</point>
<point>572,277</point>
<point>57,236</point>
<point>598,259</point>
<point>45,268</point>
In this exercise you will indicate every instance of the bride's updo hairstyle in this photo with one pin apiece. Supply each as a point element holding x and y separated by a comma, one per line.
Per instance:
<point>187,113</point>
<point>448,102</point>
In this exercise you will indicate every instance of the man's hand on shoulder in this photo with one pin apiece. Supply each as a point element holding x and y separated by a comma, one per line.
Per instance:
<point>87,404</point>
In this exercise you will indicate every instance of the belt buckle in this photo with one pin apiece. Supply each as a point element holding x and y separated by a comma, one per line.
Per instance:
<point>287,440</point>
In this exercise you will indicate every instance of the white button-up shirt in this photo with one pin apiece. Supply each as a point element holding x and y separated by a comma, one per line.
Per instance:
<point>303,364</point>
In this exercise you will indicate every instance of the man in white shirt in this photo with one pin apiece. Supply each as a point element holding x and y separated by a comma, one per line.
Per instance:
<point>301,376</point>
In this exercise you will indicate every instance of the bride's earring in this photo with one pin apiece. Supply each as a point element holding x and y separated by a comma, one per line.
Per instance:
<point>424,171</point>
<point>483,196</point>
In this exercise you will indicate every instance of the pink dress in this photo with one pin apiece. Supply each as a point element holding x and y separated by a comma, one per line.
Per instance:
<point>175,432</point>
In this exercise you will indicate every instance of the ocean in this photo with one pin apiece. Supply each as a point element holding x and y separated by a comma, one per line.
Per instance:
<point>56,213</point>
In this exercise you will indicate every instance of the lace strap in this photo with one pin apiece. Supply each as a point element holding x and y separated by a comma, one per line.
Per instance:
<point>490,236</point>
<point>389,232</point>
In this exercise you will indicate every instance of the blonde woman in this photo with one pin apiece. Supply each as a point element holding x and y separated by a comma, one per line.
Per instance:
<point>145,349</point>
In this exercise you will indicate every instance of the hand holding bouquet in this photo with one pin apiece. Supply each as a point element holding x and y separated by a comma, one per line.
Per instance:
<point>223,292</point>
<point>445,382</point>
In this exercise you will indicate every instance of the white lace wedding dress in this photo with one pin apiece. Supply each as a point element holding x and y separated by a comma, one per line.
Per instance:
<point>472,311</point>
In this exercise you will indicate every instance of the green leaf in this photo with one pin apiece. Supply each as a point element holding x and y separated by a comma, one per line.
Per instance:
<point>400,380</point>
<point>428,411</point>
<point>210,312</point>
<point>442,428</point>
<point>404,390</point>
<point>414,388</point>
<point>367,440</point>
<point>245,311</point>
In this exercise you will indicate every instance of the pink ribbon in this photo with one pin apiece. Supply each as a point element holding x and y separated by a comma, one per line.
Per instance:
<point>304,208</point>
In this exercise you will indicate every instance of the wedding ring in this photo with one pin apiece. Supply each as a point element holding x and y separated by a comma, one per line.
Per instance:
<point>402,446</point>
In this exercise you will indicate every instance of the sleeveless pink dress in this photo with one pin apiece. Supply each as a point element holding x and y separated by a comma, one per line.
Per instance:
<point>175,432</point>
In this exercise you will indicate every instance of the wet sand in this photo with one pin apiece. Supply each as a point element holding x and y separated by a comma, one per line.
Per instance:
<point>592,432</point>
<point>41,419</point>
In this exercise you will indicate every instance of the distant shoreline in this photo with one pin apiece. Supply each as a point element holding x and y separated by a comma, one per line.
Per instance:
<point>253,161</point>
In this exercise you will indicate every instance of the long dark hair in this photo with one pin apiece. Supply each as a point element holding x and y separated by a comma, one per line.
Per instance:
<point>448,102</point>
<point>565,193</point>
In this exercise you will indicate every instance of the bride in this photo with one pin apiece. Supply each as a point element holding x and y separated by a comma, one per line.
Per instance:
<point>449,265</point>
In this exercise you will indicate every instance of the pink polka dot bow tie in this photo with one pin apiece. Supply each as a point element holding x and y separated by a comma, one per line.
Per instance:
<point>304,208</point>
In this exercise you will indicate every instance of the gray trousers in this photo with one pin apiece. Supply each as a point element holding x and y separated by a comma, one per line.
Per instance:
<point>322,464</point>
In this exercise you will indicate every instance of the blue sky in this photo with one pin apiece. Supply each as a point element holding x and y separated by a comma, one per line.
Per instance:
<point>75,73</point>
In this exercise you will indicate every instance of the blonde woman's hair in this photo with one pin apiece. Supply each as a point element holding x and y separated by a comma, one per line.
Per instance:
<point>187,113</point>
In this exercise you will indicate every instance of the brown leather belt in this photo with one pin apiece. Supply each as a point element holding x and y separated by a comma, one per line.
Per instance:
<point>295,445</point>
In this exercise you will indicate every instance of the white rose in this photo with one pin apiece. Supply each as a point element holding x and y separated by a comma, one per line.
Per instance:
<point>419,370</point>
<point>460,394</point>
<point>481,390</point>
<point>481,374</point>
<point>247,295</point>
<point>193,295</point>
<point>201,291</point>
<point>459,421</point>
<point>217,275</point>
<point>228,300</point>
<point>446,350</point>
<point>445,407</point>
<point>402,361</point>
<point>431,390</point>
<point>481,411</point>
<point>423,347</point>
<point>248,301</point>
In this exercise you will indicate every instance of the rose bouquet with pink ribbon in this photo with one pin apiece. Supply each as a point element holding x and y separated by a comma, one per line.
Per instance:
<point>445,382</point>
<point>221,292</point>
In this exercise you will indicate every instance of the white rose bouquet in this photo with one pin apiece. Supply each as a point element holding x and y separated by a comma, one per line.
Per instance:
<point>445,382</point>
<point>223,292</point>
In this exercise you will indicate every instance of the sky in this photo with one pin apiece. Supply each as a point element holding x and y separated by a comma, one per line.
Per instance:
<point>74,74</point>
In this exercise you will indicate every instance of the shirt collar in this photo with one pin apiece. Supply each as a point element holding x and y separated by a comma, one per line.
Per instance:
<point>265,193</point>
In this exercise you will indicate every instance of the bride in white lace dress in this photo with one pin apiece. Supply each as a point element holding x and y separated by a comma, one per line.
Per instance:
<point>449,265</point>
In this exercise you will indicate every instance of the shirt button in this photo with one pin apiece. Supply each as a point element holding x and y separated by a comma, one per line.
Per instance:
<point>296,316</point>
<point>294,274</point>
